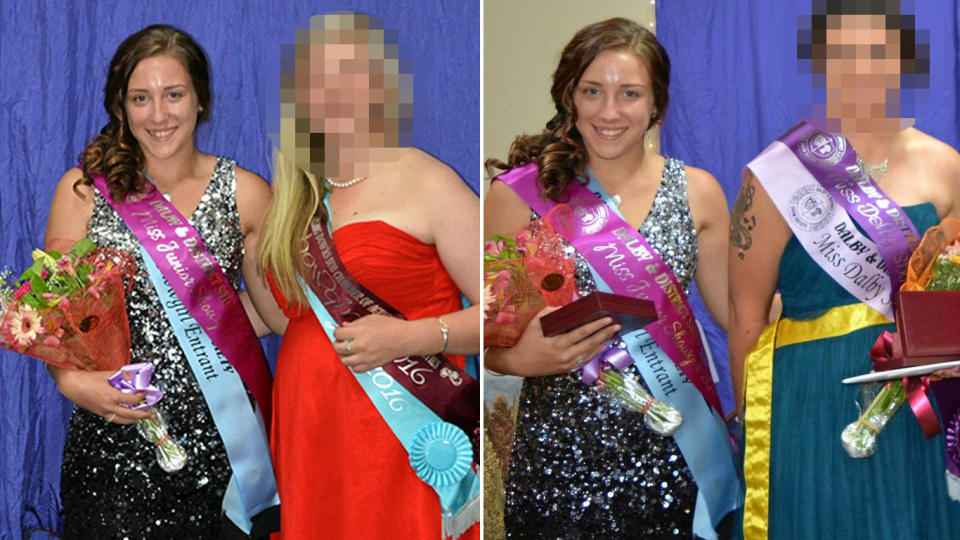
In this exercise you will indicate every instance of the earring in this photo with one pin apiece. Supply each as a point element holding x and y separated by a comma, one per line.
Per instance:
<point>653,115</point>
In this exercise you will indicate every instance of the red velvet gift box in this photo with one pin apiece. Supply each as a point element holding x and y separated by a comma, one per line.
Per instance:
<point>928,328</point>
<point>631,313</point>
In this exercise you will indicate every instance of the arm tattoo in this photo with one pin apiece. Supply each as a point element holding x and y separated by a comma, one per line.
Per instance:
<point>740,223</point>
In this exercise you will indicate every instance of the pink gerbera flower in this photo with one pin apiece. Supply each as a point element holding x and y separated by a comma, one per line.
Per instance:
<point>25,326</point>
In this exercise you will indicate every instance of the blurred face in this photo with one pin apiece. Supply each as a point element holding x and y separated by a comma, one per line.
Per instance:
<point>161,107</point>
<point>614,101</point>
<point>337,88</point>
<point>862,67</point>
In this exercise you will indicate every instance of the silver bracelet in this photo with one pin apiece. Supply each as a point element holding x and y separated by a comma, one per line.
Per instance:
<point>488,370</point>
<point>445,330</point>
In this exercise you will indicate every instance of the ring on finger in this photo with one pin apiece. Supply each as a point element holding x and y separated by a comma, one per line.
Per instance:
<point>112,417</point>
<point>349,349</point>
<point>579,360</point>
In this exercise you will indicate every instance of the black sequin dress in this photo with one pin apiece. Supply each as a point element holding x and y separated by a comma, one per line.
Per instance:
<point>111,484</point>
<point>581,465</point>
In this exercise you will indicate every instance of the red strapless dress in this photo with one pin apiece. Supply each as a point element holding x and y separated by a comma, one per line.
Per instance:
<point>340,471</point>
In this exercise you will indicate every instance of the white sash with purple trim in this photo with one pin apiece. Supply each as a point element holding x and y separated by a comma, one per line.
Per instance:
<point>813,179</point>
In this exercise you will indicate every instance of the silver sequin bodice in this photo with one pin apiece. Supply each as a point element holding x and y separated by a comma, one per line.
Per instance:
<point>583,467</point>
<point>112,486</point>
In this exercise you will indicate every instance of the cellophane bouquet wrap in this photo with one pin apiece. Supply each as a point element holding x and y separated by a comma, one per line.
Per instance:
<point>134,379</point>
<point>523,273</point>
<point>934,266</point>
<point>660,416</point>
<point>529,270</point>
<point>69,310</point>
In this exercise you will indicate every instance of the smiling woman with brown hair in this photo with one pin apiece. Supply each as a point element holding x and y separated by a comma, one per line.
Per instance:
<point>582,466</point>
<point>156,93</point>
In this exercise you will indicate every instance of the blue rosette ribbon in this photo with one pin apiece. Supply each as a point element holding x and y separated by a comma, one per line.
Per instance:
<point>441,454</point>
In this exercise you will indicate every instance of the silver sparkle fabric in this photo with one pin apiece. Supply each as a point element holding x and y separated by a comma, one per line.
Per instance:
<point>581,465</point>
<point>111,485</point>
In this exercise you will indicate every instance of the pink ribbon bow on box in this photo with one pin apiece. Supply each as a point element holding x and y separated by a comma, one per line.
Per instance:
<point>884,356</point>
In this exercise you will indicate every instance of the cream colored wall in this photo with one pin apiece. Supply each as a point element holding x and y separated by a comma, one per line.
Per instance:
<point>522,40</point>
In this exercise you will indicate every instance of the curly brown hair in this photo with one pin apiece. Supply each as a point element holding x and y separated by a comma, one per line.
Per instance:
<point>558,150</point>
<point>115,153</point>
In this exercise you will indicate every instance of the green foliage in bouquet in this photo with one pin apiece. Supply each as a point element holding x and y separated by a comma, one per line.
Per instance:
<point>54,276</point>
<point>946,273</point>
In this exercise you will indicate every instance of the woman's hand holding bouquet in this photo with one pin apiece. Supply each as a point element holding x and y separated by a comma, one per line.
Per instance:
<point>534,355</point>
<point>69,310</point>
<point>526,276</point>
<point>529,275</point>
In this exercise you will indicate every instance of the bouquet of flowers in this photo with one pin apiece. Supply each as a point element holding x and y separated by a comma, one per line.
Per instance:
<point>529,270</point>
<point>65,309</point>
<point>522,274</point>
<point>934,266</point>
<point>69,310</point>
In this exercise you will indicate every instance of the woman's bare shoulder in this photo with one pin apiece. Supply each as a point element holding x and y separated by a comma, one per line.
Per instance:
<point>918,144</point>
<point>71,193</point>
<point>416,165</point>
<point>701,181</point>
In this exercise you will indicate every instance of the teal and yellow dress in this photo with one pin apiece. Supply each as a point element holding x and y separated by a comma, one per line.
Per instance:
<point>800,481</point>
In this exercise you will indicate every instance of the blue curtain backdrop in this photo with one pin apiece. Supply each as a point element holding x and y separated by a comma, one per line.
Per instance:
<point>735,85</point>
<point>53,60</point>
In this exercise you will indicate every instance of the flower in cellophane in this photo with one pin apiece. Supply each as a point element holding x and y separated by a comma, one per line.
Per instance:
<point>523,273</point>
<point>529,270</point>
<point>69,310</point>
<point>934,266</point>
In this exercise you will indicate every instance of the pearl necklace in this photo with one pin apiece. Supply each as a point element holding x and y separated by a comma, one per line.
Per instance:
<point>346,184</point>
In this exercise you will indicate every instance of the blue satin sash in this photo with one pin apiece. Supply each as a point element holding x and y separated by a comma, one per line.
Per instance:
<point>702,437</point>
<point>252,487</point>
<point>406,416</point>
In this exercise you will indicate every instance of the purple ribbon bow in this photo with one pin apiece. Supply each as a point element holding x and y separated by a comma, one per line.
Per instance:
<point>135,378</point>
<point>615,357</point>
